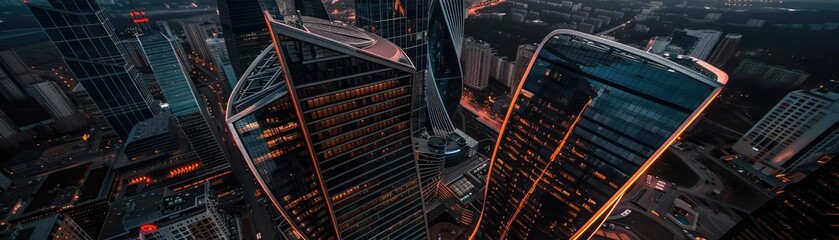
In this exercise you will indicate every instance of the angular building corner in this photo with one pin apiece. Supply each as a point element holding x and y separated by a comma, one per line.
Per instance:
<point>589,117</point>
<point>323,119</point>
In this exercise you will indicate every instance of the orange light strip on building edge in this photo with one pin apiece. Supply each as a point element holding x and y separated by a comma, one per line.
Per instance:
<point>544,170</point>
<point>646,166</point>
<point>501,134</point>
<point>296,104</point>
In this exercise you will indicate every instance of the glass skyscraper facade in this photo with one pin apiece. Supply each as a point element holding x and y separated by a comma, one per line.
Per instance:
<point>588,118</point>
<point>445,78</point>
<point>169,72</point>
<point>400,21</point>
<point>311,8</point>
<point>405,24</point>
<point>805,210</point>
<point>245,31</point>
<point>164,56</point>
<point>325,127</point>
<point>85,38</point>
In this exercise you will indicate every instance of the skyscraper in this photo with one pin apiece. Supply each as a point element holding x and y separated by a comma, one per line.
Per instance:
<point>726,49</point>
<point>589,117</point>
<point>54,100</point>
<point>799,131</point>
<point>11,63</point>
<point>477,56</point>
<point>88,107</point>
<point>805,210</point>
<point>402,22</point>
<point>165,28</point>
<point>10,135</point>
<point>15,75</point>
<point>9,89</point>
<point>523,55</point>
<point>445,78</point>
<point>84,36</point>
<point>329,140</point>
<point>245,31</point>
<point>431,160</point>
<point>405,23</point>
<point>311,8</point>
<point>52,97</point>
<point>182,97</point>
<point>134,54</point>
<point>218,53</point>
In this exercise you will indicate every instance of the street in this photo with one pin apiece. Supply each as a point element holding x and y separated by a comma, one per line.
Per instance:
<point>256,215</point>
<point>653,197</point>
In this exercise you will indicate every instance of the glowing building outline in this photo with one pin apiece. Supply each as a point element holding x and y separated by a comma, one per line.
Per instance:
<point>264,85</point>
<point>710,76</point>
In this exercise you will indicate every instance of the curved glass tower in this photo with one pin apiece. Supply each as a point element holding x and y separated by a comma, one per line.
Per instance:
<point>589,117</point>
<point>445,78</point>
<point>323,120</point>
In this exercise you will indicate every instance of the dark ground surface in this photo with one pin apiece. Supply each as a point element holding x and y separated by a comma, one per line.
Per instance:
<point>670,168</point>
<point>735,191</point>
<point>646,226</point>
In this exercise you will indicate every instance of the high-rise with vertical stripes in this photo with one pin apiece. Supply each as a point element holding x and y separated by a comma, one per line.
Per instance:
<point>170,70</point>
<point>589,116</point>
<point>245,31</point>
<point>405,23</point>
<point>86,40</point>
<point>445,75</point>
<point>323,120</point>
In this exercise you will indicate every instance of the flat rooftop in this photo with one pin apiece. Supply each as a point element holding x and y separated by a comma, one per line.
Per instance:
<point>38,229</point>
<point>149,127</point>
<point>127,215</point>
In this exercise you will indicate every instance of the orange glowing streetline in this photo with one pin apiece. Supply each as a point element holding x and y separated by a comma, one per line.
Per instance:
<point>292,93</point>
<point>501,134</point>
<point>646,165</point>
<point>612,209</point>
<point>544,170</point>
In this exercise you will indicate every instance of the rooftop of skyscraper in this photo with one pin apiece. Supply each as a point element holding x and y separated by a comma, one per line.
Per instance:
<point>349,35</point>
<point>690,66</point>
